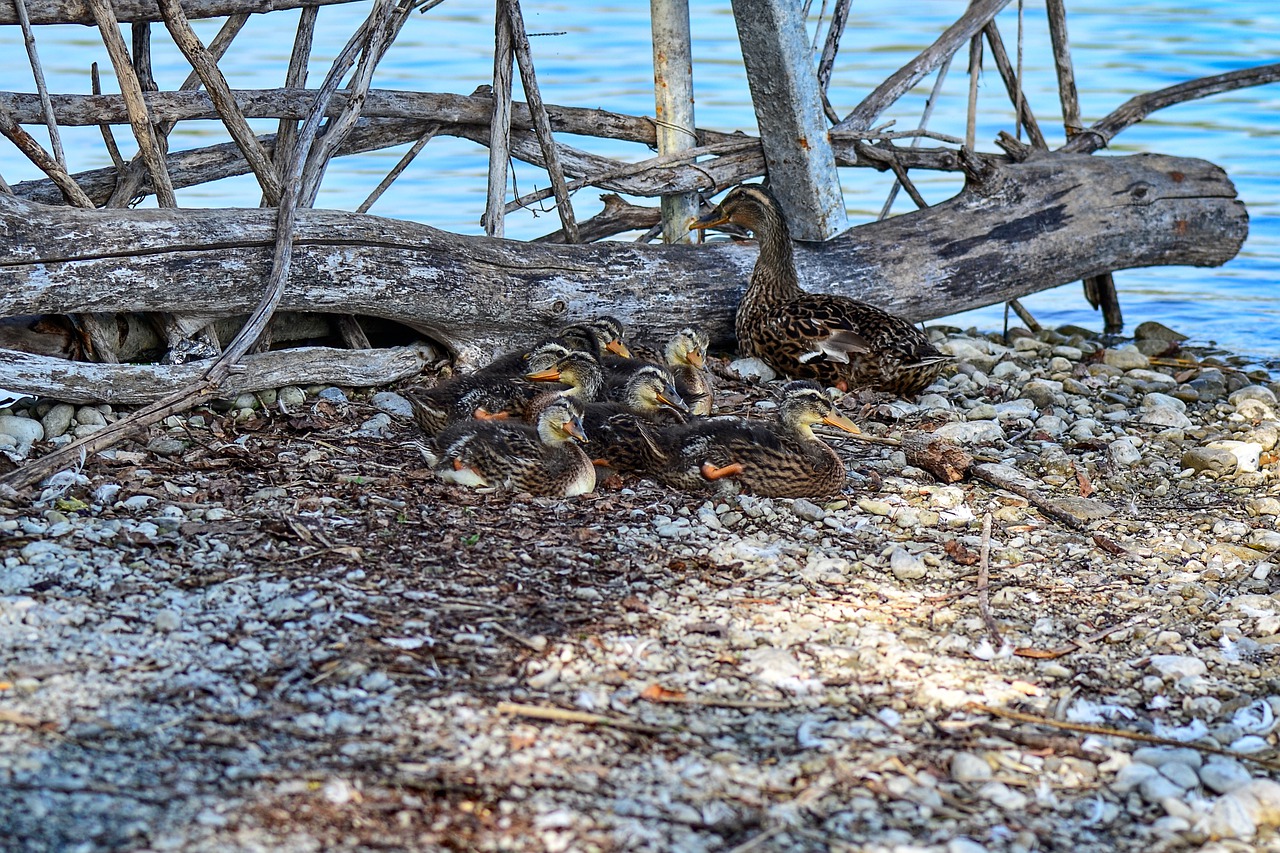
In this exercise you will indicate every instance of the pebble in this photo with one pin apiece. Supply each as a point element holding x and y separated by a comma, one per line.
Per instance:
<point>807,510</point>
<point>378,426</point>
<point>1178,666</point>
<point>906,566</point>
<point>1166,416</point>
<point>291,397</point>
<point>25,431</point>
<point>57,420</point>
<point>753,368</point>
<point>392,403</point>
<point>1123,453</point>
<point>164,446</point>
<point>967,767</point>
<point>1152,330</point>
<point>1241,812</point>
<point>1245,453</point>
<point>1260,393</point>
<point>1159,756</point>
<point>168,620</point>
<point>1209,459</point>
<point>1126,358</point>
<point>971,432</point>
<point>88,415</point>
<point>1221,774</point>
<point>333,395</point>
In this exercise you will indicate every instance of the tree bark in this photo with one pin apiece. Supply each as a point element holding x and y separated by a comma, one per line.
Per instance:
<point>140,11</point>
<point>1015,229</point>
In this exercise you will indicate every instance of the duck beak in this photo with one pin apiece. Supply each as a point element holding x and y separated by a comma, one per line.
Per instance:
<point>708,220</point>
<point>573,428</point>
<point>617,347</point>
<point>551,374</point>
<point>696,358</point>
<point>671,398</point>
<point>841,422</point>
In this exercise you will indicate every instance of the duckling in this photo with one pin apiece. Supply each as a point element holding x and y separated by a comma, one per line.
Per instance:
<point>596,337</point>
<point>683,356</point>
<point>833,339</point>
<point>781,459</point>
<point>620,428</point>
<point>485,396</point>
<point>543,460</point>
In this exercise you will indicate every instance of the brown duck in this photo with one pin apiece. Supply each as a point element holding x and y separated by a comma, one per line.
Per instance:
<point>779,459</point>
<point>833,339</point>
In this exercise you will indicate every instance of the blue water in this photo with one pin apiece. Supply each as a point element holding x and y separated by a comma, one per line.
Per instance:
<point>602,58</point>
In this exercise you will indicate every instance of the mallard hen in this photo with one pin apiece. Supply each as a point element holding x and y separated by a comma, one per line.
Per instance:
<point>833,339</point>
<point>779,459</point>
<point>546,459</point>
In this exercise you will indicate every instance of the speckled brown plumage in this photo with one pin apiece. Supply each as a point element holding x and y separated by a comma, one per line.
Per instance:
<point>829,338</point>
<point>619,431</point>
<point>544,460</point>
<point>782,458</point>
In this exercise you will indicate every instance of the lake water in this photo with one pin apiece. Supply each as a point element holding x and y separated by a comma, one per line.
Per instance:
<point>600,56</point>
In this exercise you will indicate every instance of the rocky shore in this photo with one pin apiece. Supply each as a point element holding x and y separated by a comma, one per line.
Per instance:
<point>265,627</point>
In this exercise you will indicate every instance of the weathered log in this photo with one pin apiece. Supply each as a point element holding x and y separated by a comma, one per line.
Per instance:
<point>133,384</point>
<point>1022,228</point>
<point>139,11</point>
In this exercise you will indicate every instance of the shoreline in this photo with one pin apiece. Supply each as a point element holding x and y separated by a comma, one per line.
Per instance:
<point>275,631</point>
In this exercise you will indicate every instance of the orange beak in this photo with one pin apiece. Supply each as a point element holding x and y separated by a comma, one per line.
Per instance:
<point>551,374</point>
<point>617,347</point>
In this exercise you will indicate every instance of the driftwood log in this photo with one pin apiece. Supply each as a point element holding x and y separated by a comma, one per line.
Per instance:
<point>1015,229</point>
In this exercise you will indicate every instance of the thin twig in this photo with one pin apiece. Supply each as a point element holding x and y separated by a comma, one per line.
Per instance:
<point>560,715</point>
<point>29,39</point>
<point>108,138</point>
<point>839,17</point>
<point>541,123</point>
<point>399,168</point>
<point>295,78</point>
<point>918,133</point>
<point>1105,731</point>
<point>1013,85</point>
<point>1024,315</point>
<point>131,89</point>
<point>28,145</point>
<point>984,585</point>
<point>499,125</point>
<point>975,70</point>
<point>220,93</point>
<point>1067,93</point>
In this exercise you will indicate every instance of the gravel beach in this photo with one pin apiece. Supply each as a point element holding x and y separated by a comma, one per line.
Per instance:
<point>267,627</point>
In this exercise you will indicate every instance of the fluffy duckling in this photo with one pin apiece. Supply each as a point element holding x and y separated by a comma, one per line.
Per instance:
<point>685,355</point>
<point>620,429</point>
<point>596,337</point>
<point>782,459</point>
<point>580,371</point>
<point>833,339</point>
<point>546,459</point>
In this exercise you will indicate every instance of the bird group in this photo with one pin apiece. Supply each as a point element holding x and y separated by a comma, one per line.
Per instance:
<point>540,420</point>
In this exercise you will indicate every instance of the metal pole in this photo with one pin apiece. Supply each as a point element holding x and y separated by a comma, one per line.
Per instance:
<point>673,104</point>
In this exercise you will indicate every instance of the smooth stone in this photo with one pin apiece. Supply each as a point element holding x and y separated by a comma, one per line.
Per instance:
<point>26,430</point>
<point>1261,393</point>
<point>1085,509</point>
<point>1001,795</point>
<point>1131,776</point>
<point>1015,409</point>
<point>982,412</point>
<point>748,368</point>
<point>1068,352</point>
<point>1252,410</point>
<point>1166,416</point>
<point>1155,399</point>
<point>1221,774</point>
<point>378,426</point>
<point>1265,435</point>
<point>1246,453</point>
<point>1158,788</point>
<point>1151,330</point>
<point>1208,459</point>
<point>392,403</point>
<point>332,395</point>
<point>1123,452</point>
<point>808,510</point>
<point>291,396</point>
<point>168,620</point>
<point>1051,425</point>
<point>87,415</point>
<point>247,400</point>
<point>1239,813</point>
<point>1153,348</point>
<point>1042,392</point>
<point>1152,377</point>
<point>1264,506</point>
<point>1180,774</point>
<point>57,420</point>
<point>1159,756</point>
<point>905,566</point>
<point>1126,358</point>
<point>162,446</point>
<point>967,767</point>
<point>971,432</point>
<point>1178,666</point>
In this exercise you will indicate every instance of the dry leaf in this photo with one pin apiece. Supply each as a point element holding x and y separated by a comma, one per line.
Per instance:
<point>657,693</point>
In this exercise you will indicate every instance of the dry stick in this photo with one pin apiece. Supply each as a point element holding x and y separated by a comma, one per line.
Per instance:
<point>1013,85</point>
<point>906,77</point>
<point>1067,93</point>
<point>29,38</point>
<point>1024,315</point>
<point>984,585</point>
<point>839,17</point>
<point>975,68</point>
<point>1089,728</point>
<point>1137,108</point>
<point>559,715</point>
<point>380,29</point>
<point>541,123</point>
<point>108,138</point>
<point>919,133</point>
<point>220,93</point>
<point>295,78</point>
<point>617,217</point>
<point>625,170</point>
<point>399,168</point>
<point>27,144</point>
<point>206,388</point>
<point>499,125</point>
<point>129,184</point>
<point>131,89</point>
<point>1022,97</point>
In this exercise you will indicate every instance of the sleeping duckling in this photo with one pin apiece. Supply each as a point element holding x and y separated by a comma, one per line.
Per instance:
<point>782,459</point>
<point>544,460</point>
<point>596,337</point>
